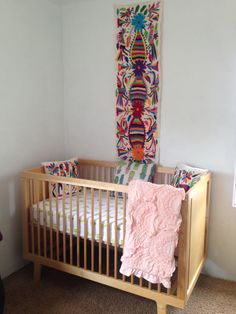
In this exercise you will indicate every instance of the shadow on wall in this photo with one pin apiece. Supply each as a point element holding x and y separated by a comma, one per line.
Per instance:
<point>10,225</point>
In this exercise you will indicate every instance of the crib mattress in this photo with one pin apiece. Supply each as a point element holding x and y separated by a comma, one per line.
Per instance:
<point>42,209</point>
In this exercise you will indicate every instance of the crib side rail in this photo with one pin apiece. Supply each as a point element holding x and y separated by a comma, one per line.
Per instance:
<point>31,174</point>
<point>193,236</point>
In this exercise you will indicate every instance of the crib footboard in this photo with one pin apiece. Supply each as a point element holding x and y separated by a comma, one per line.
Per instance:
<point>81,230</point>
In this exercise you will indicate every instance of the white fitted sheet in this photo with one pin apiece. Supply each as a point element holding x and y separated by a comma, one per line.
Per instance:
<point>42,209</point>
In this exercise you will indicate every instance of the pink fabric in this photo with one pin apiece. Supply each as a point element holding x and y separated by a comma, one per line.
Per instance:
<point>152,224</point>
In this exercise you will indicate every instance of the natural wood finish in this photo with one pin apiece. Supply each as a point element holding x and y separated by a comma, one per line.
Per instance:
<point>141,281</point>
<point>173,287</point>
<point>51,224</point>
<point>197,233</point>
<point>124,223</point>
<point>38,229</point>
<point>208,180</point>
<point>161,308</point>
<point>92,229</point>
<point>32,217</point>
<point>116,243</point>
<point>108,234</point>
<point>192,247</point>
<point>132,279</point>
<point>183,252</point>
<point>100,232</point>
<point>37,271</point>
<point>71,227</point>
<point>194,279</point>
<point>78,228</point>
<point>44,221</point>
<point>64,222</point>
<point>109,281</point>
<point>57,223</point>
<point>85,228</point>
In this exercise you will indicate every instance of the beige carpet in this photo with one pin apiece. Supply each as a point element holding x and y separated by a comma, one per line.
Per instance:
<point>63,293</point>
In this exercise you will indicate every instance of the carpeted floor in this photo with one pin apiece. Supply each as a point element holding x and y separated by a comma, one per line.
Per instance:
<point>60,293</point>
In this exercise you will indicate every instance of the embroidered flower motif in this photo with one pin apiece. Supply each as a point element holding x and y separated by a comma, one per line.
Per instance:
<point>138,109</point>
<point>138,22</point>
<point>139,68</point>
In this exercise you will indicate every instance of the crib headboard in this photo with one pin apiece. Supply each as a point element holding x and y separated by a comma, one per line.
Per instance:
<point>104,171</point>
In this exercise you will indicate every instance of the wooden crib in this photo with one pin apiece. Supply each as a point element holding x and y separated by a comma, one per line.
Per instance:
<point>52,237</point>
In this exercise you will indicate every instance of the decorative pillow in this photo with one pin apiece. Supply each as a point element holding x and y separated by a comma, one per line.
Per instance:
<point>66,168</point>
<point>132,170</point>
<point>186,176</point>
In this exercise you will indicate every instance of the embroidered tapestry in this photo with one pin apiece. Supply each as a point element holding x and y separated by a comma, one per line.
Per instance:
<point>138,76</point>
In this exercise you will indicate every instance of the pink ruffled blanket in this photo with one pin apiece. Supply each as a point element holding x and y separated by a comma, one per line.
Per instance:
<point>152,224</point>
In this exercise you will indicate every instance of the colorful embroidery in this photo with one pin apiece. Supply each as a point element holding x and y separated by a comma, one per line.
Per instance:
<point>138,77</point>
<point>186,176</point>
<point>67,168</point>
<point>184,179</point>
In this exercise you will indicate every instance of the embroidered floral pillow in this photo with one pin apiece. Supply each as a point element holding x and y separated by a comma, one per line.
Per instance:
<point>185,176</point>
<point>131,170</point>
<point>67,168</point>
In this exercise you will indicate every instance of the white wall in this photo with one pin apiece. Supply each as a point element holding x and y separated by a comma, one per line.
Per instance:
<point>198,100</point>
<point>89,79</point>
<point>31,106</point>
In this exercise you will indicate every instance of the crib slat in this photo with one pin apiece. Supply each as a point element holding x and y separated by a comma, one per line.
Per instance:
<point>94,173</point>
<point>44,221</point>
<point>57,223</point>
<point>32,217</point>
<point>92,230</point>
<point>108,233</point>
<point>149,285</point>
<point>64,222</point>
<point>115,255</point>
<point>100,174</point>
<point>81,171</point>
<point>85,228</point>
<point>140,281</point>
<point>38,218</point>
<point>105,174</point>
<point>132,279</point>
<point>100,233</point>
<point>111,177</point>
<point>159,287</point>
<point>155,177</point>
<point>50,208</point>
<point>71,227</point>
<point>85,171</point>
<point>124,223</point>
<point>78,226</point>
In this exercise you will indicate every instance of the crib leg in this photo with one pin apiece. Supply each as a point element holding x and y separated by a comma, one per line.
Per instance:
<point>161,308</point>
<point>37,272</point>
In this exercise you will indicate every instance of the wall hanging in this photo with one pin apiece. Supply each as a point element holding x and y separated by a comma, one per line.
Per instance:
<point>138,77</point>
